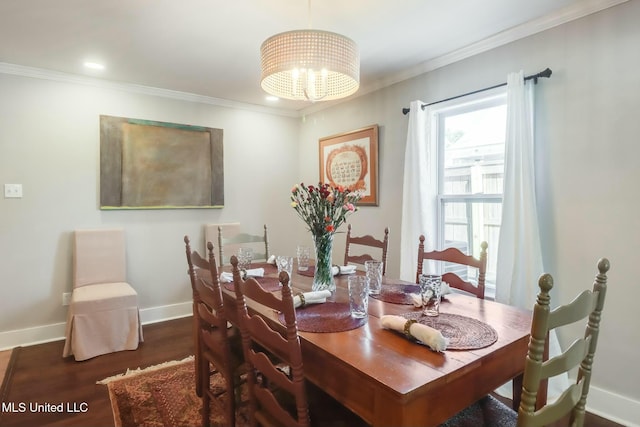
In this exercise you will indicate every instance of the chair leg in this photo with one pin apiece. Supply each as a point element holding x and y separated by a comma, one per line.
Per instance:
<point>206,392</point>
<point>516,391</point>
<point>201,369</point>
<point>231,398</point>
<point>206,405</point>
<point>197,358</point>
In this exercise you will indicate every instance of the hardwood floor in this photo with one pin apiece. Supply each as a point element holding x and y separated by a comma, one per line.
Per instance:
<point>4,361</point>
<point>41,375</point>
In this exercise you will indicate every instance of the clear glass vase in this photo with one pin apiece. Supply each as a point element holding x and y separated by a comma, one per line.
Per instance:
<point>323,276</point>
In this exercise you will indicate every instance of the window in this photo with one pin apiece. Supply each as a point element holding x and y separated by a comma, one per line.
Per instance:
<point>470,138</point>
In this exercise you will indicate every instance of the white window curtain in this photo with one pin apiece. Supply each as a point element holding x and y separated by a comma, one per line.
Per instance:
<point>519,257</point>
<point>419,190</point>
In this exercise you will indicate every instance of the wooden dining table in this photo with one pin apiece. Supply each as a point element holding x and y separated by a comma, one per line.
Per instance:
<point>390,380</point>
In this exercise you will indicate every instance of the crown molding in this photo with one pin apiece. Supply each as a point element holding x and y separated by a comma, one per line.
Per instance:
<point>562,16</point>
<point>40,73</point>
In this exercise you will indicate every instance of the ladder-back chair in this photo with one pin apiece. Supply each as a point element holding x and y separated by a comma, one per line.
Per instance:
<point>454,255</point>
<point>370,242</point>
<point>218,347</point>
<point>587,306</point>
<point>280,396</point>
<point>259,243</point>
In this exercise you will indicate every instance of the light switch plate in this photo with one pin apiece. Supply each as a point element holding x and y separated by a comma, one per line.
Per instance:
<point>13,191</point>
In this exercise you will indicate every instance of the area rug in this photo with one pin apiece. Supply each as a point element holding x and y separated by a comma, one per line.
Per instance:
<point>164,395</point>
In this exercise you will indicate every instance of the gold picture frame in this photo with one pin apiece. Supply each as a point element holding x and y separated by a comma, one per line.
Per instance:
<point>350,159</point>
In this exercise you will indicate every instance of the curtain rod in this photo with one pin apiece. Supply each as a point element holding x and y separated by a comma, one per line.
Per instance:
<point>546,73</point>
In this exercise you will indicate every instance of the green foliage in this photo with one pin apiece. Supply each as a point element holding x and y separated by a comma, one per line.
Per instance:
<point>323,208</point>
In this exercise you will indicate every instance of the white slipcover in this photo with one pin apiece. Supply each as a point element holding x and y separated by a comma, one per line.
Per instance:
<point>103,313</point>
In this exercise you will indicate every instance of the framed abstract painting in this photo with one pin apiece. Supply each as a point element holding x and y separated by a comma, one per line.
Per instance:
<point>157,165</point>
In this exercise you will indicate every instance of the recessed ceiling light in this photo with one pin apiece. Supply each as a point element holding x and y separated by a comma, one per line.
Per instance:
<point>272,98</point>
<point>94,65</point>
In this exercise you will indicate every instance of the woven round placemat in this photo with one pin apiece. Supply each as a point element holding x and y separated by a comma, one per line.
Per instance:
<point>270,284</point>
<point>397,293</point>
<point>464,333</point>
<point>326,317</point>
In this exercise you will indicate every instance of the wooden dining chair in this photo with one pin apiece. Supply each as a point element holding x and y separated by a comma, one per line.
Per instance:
<point>211,232</point>
<point>218,347</point>
<point>259,242</point>
<point>258,335</point>
<point>277,396</point>
<point>195,260</point>
<point>454,255</point>
<point>367,241</point>
<point>587,306</point>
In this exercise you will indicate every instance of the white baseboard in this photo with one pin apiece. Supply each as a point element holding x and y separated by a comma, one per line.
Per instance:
<point>55,331</point>
<point>617,408</point>
<point>612,406</point>
<point>166,312</point>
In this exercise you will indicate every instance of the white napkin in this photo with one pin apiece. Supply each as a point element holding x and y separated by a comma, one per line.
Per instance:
<point>252,272</point>
<point>343,269</point>
<point>272,260</point>
<point>315,297</point>
<point>417,298</point>
<point>423,333</point>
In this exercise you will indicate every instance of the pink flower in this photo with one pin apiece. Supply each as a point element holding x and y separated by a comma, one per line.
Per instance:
<point>324,208</point>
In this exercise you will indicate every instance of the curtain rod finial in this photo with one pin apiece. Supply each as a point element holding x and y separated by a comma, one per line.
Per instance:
<point>545,73</point>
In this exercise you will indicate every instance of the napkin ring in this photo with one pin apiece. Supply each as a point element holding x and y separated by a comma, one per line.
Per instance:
<point>302,300</point>
<point>407,327</point>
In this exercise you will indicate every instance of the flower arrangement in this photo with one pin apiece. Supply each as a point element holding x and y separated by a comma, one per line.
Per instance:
<point>323,208</point>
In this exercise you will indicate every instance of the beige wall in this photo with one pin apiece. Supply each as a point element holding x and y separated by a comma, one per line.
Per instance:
<point>49,142</point>
<point>587,145</point>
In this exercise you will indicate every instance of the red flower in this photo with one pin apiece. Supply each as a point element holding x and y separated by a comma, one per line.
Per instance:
<point>324,208</point>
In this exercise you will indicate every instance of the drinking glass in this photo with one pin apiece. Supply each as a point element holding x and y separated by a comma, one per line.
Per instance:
<point>431,292</point>
<point>303,253</point>
<point>245,256</point>
<point>285,263</point>
<point>374,273</point>
<point>358,295</point>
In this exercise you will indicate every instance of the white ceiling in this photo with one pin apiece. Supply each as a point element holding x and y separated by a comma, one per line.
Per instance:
<point>211,47</point>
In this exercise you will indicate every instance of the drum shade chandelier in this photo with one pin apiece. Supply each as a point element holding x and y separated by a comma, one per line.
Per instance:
<point>310,65</point>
